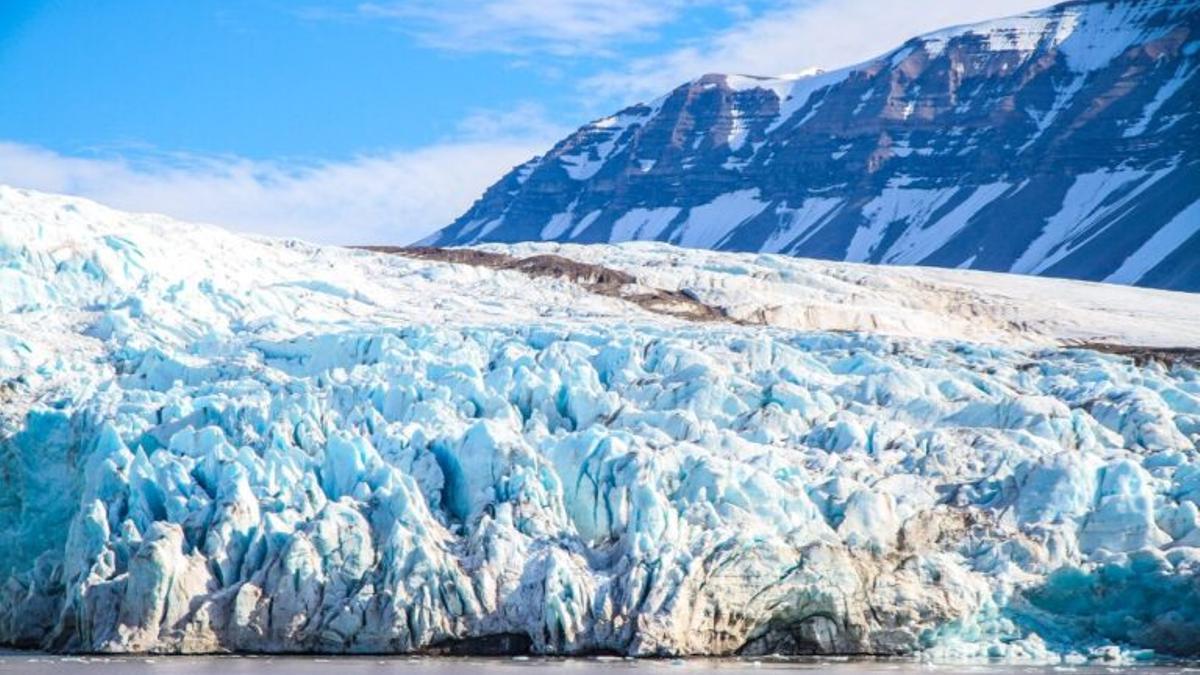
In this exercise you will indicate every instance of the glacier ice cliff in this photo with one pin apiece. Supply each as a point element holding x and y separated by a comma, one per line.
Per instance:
<point>211,442</point>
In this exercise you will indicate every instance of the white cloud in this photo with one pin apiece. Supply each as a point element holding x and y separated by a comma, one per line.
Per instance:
<point>524,120</point>
<point>385,198</point>
<point>393,198</point>
<point>803,34</point>
<point>558,27</point>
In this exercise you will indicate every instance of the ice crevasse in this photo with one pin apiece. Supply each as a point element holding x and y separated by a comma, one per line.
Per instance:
<point>267,451</point>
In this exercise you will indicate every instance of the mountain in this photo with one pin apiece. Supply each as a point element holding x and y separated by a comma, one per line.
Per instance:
<point>1064,142</point>
<point>211,443</point>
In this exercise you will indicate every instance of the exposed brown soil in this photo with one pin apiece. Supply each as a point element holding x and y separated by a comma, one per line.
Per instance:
<point>594,278</point>
<point>680,304</point>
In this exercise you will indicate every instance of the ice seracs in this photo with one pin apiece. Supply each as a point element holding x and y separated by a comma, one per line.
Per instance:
<point>215,443</point>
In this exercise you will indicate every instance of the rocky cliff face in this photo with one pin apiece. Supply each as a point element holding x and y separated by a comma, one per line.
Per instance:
<point>1063,142</point>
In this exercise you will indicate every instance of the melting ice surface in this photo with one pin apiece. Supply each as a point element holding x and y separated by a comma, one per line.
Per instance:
<point>214,443</point>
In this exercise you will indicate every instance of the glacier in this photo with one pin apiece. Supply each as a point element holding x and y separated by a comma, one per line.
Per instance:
<point>211,442</point>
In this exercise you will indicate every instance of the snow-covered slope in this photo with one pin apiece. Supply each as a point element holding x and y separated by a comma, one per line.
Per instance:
<point>212,442</point>
<point>930,303</point>
<point>1064,142</point>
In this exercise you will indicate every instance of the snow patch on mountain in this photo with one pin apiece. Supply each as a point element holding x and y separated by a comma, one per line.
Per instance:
<point>1085,110</point>
<point>1157,248</point>
<point>643,223</point>
<point>802,222</point>
<point>915,243</point>
<point>708,223</point>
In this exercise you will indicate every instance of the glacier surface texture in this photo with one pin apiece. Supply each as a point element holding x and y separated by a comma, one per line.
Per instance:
<point>213,442</point>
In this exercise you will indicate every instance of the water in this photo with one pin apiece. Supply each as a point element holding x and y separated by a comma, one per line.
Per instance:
<point>36,664</point>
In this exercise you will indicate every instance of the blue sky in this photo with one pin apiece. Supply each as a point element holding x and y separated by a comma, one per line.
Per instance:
<point>379,121</point>
<point>268,78</point>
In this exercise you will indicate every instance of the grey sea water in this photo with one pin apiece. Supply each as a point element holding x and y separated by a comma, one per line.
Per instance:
<point>35,664</point>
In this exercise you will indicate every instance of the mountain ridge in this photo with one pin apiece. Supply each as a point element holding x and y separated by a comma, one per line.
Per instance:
<point>1060,142</point>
